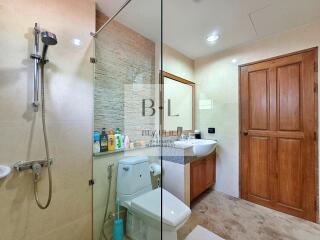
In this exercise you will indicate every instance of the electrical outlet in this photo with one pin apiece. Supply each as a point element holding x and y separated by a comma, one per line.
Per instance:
<point>211,130</point>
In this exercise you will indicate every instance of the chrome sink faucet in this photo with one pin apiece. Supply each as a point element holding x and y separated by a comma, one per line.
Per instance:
<point>182,136</point>
<point>191,135</point>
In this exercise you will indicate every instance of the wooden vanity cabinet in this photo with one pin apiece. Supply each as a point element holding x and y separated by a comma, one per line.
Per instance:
<point>202,175</point>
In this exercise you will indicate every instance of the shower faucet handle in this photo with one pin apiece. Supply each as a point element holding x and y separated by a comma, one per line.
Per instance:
<point>36,168</point>
<point>17,165</point>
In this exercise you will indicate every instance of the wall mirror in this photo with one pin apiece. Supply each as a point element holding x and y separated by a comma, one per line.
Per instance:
<point>179,103</point>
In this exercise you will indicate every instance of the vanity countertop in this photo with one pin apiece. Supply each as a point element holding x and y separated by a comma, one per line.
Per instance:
<point>179,155</point>
<point>184,152</point>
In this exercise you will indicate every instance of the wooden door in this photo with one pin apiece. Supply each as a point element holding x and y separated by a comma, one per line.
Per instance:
<point>278,133</point>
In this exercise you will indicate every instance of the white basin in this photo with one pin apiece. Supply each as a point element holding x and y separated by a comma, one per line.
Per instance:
<point>200,147</point>
<point>4,171</point>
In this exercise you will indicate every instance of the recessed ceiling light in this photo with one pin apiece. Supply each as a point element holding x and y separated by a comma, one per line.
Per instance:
<point>76,42</point>
<point>213,38</point>
<point>234,60</point>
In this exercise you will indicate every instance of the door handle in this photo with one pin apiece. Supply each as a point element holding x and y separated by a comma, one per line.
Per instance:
<point>245,133</point>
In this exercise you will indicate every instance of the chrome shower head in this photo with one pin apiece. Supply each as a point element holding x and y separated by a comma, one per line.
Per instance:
<point>47,38</point>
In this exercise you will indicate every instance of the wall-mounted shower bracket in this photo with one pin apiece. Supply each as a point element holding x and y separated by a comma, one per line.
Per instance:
<point>23,165</point>
<point>35,56</point>
<point>37,59</point>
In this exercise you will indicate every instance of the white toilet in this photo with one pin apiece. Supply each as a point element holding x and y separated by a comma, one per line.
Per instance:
<point>134,191</point>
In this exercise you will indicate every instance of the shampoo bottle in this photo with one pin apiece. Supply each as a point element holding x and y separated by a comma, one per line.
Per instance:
<point>126,142</point>
<point>96,142</point>
<point>111,141</point>
<point>103,140</point>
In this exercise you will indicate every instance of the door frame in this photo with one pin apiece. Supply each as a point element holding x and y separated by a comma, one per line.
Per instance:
<point>316,155</point>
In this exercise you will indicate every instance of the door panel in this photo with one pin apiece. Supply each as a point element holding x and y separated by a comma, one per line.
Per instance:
<point>209,171</point>
<point>288,78</point>
<point>202,175</point>
<point>278,123</point>
<point>197,180</point>
<point>258,95</point>
<point>259,167</point>
<point>290,173</point>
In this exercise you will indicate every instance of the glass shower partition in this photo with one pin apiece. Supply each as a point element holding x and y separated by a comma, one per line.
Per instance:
<point>126,139</point>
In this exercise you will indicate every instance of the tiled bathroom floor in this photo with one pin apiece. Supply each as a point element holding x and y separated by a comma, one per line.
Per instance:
<point>236,219</point>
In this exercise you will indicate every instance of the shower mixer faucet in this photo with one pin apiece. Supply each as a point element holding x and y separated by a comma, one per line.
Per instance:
<point>23,166</point>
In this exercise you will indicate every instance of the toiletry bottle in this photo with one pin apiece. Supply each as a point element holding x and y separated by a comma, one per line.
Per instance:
<point>96,142</point>
<point>111,141</point>
<point>103,140</point>
<point>118,139</point>
<point>197,134</point>
<point>122,140</point>
<point>126,142</point>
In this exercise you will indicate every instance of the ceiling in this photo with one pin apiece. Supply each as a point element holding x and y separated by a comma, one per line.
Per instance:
<point>187,23</point>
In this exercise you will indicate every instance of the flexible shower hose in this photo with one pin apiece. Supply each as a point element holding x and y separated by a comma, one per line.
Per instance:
<point>102,233</point>
<point>44,127</point>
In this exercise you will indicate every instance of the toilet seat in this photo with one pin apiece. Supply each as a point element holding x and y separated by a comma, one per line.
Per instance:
<point>174,213</point>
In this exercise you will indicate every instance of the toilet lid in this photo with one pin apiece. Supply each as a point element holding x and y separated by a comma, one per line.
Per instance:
<point>174,211</point>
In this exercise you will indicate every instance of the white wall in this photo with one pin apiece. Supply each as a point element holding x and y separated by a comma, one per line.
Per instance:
<point>217,80</point>
<point>178,64</point>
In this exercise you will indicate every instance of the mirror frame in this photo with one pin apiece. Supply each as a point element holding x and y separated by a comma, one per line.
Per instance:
<point>184,81</point>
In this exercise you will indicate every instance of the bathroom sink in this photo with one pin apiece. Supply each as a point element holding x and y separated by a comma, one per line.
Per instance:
<point>200,147</point>
<point>4,171</point>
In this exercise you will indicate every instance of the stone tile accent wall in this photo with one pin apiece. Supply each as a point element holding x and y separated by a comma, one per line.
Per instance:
<point>124,75</point>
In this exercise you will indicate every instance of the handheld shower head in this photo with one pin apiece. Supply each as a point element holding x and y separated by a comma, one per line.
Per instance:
<point>47,38</point>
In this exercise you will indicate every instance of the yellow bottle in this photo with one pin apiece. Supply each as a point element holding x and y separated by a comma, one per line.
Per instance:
<point>111,141</point>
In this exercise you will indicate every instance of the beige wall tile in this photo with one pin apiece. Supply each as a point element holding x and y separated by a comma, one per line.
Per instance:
<point>178,64</point>
<point>69,96</point>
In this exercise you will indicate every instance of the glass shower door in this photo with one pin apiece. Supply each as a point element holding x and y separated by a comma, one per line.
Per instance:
<point>126,149</point>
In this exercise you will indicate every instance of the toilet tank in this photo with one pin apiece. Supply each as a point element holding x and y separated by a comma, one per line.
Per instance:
<point>133,178</point>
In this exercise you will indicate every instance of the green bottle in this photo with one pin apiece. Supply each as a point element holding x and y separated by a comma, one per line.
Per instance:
<point>118,137</point>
